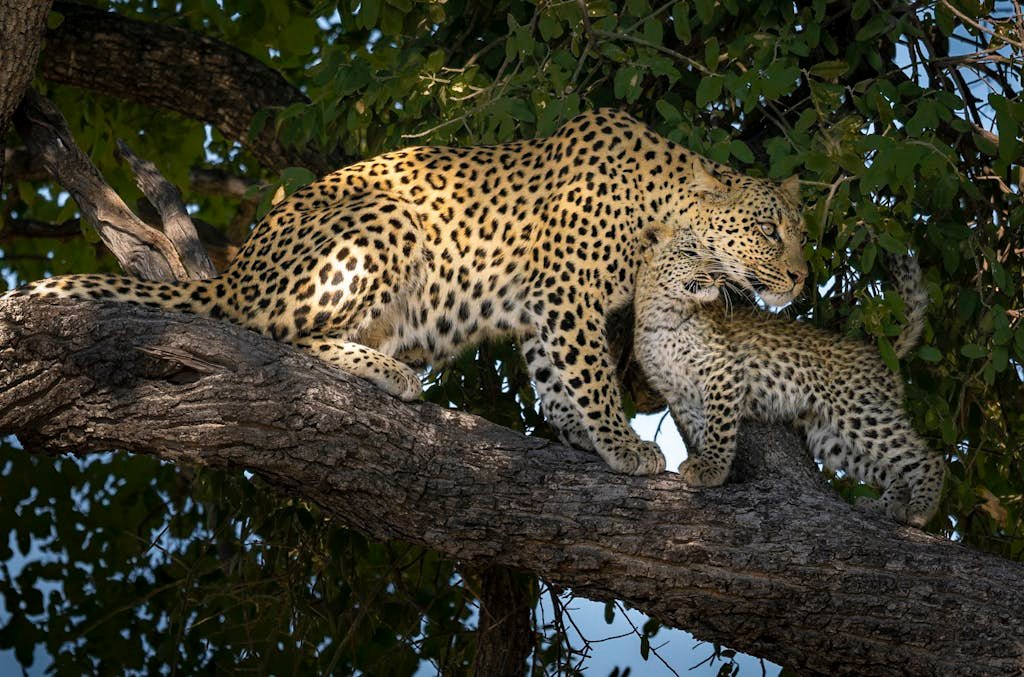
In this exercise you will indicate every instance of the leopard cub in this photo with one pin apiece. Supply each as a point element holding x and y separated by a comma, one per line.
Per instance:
<point>715,366</point>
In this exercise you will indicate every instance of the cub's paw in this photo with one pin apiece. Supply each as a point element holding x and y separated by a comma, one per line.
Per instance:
<point>698,473</point>
<point>644,458</point>
<point>897,510</point>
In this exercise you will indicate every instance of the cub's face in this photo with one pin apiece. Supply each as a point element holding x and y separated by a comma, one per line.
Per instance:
<point>689,270</point>
<point>755,230</point>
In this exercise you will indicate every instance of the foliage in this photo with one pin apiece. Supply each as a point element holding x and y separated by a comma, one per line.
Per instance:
<point>903,120</point>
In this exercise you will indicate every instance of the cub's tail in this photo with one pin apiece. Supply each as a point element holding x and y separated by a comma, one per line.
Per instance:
<point>910,284</point>
<point>199,297</point>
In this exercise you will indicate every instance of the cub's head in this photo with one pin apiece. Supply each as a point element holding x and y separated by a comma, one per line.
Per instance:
<point>755,230</point>
<point>686,269</point>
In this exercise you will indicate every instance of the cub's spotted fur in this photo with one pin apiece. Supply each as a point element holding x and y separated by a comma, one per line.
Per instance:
<point>415,254</point>
<point>715,367</point>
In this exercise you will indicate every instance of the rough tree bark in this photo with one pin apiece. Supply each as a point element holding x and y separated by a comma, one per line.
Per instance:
<point>504,637</point>
<point>142,251</point>
<point>21,34</point>
<point>775,565</point>
<point>178,226</point>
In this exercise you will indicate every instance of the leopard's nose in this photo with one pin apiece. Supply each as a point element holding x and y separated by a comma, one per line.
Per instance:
<point>797,276</point>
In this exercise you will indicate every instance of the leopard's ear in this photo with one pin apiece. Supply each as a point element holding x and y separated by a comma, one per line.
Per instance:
<point>791,187</point>
<point>704,183</point>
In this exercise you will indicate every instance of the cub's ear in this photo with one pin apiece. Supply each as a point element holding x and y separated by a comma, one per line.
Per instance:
<point>791,187</point>
<point>655,234</point>
<point>703,182</point>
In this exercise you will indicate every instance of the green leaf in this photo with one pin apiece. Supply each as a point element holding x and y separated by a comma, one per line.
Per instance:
<point>826,96</point>
<point>888,354</point>
<point>550,28</point>
<point>867,257</point>
<point>929,354</point>
<point>875,26</point>
<point>1000,358</point>
<point>645,647</point>
<point>669,112</point>
<point>891,244</point>
<point>973,351</point>
<point>705,10</point>
<point>829,70</point>
<point>709,89</point>
<point>293,178</point>
<point>681,22</point>
<point>300,35</point>
<point>711,53</point>
<point>627,83</point>
<point>741,151</point>
<point>653,31</point>
<point>517,108</point>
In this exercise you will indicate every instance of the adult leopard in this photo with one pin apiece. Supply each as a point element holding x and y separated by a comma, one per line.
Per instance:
<point>415,254</point>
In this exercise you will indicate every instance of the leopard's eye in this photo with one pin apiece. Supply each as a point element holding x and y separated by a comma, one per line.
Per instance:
<point>769,230</point>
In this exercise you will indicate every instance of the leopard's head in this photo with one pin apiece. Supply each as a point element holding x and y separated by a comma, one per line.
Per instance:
<point>754,228</point>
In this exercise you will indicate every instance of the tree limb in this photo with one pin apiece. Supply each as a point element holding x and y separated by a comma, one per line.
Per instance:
<point>23,166</point>
<point>167,67</point>
<point>504,638</point>
<point>176,221</point>
<point>141,250</point>
<point>32,228</point>
<point>775,565</point>
<point>21,33</point>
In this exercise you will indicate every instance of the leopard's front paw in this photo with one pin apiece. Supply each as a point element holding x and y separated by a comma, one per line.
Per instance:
<point>698,473</point>
<point>412,387</point>
<point>644,458</point>
<point>403,383</point>
<point>577,439</point>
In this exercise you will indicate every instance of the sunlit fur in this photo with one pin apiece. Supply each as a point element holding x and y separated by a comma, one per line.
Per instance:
<point>715,367</point>
<point>418,253</point>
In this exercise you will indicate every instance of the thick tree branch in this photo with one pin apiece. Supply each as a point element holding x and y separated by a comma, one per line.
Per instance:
<point>23,166</point>
<point>504,639</point>
<point>176,221</point>
<point>141,250</point>
<point>31,228</point>
<point>21,33</point>
<point>775,565</point>
<point>176,69</point>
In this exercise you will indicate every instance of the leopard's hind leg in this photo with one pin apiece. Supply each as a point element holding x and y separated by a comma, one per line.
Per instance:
<point>893,501</point>
<point>926,480</point>
<point>384,371</point>
<point>910,477</point>
<point>349,275</point>
<point>828,445</point>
